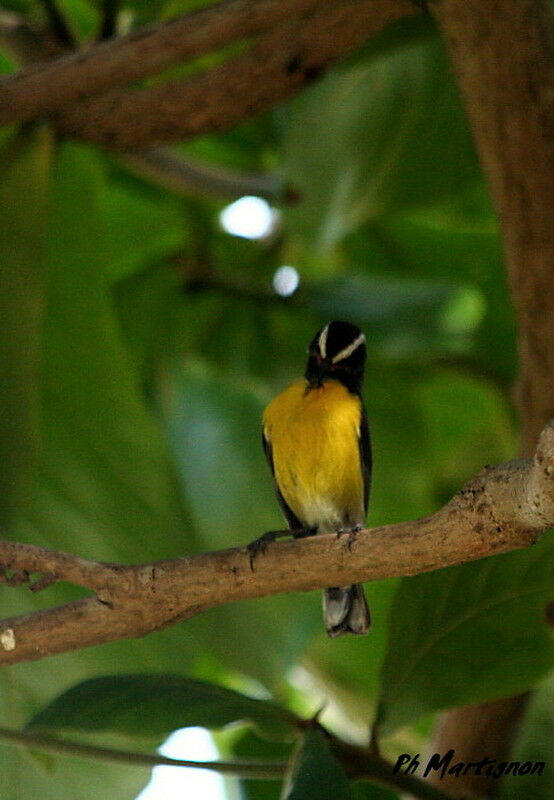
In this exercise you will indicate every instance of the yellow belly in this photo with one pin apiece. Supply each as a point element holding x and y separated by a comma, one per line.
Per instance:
<point>316,456</point>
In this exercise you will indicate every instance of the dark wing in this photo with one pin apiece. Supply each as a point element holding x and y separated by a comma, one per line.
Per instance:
<point>364,444</point>
<point>293,521</point>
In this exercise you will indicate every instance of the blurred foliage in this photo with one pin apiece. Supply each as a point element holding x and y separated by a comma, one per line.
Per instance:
<point>139,344</point>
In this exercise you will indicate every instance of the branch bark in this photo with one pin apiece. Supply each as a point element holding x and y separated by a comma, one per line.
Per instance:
<point>503,55</point>
<point>275,67</point>
<point>503,508</point>
<point>41,91</point>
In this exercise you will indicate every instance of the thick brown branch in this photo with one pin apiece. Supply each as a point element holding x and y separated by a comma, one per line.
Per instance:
<point>277,66</point>
<point>108,65</point>
<point>502,509</point>
<point>503,54</point>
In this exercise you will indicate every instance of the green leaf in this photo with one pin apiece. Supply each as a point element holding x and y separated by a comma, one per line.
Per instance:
<point>24,776</point>
<point>534,744</point>
<point>247,746</point>
<point>434,243</point>
<point>316,774</point>
<point>142,225</point>
<point>467,634</point>
<point>153,705</point>
<point>386,132</point>
<point>465,421</point>
<point>104,486</point>
<point>364,790</point>
<point>403,317</point>
<point>25,161</point>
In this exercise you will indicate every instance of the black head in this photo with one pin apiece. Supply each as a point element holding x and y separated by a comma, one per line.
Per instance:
<point>337,352</point>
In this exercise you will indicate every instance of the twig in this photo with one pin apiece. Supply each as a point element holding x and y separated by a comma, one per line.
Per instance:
<point>187,177</point>
<point>357,762</point>
<point>502,509</point>
<point>52,744</point>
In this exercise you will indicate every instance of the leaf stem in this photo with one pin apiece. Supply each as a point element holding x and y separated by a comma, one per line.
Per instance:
<point>40,741</point>
<point>358,763</point>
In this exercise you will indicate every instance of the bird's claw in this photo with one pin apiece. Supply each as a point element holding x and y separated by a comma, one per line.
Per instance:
<point>260,545</point>
<point>352,534</point>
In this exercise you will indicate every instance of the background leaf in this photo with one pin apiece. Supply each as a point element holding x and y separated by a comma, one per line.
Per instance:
<point>152,706</point>
<point>315,772</point>
<point>533,745</point>
<point>371,147</point>
<point>24,172</point>
<point>438,617</point>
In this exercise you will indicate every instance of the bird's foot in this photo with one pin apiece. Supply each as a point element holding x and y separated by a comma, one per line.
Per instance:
<point>260,545</point>
<point>352,534</point>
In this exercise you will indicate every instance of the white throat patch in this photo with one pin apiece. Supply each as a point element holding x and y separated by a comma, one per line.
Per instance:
<point>347,351</point>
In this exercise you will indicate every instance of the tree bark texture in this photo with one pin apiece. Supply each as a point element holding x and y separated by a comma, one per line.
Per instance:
<point>287,45</point>
<point>503,55</point>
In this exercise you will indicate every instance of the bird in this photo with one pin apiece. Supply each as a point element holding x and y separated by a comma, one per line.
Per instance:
<point>317,442</point>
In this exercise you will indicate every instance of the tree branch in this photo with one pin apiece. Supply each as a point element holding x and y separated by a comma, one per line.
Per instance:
<point>503,508</point>
<point>270,770</point>
<point>503,55</point>
<point>275,67</point>
<point>112,64</point>
<point>185,176</point>
<point>358,763</point>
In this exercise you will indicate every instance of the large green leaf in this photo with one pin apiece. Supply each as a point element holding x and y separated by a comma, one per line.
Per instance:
<point>364,790</point>
<point>102,484</point>
<point>466,422</point>
<point>153,705</point>
<point>246,745</point>
<point>534,744</point>
<point>455,238</point>
<point>105,486</point>
<point>468,633</point>
<point>385,132</point>
<point>315,773</point>
<point>25,775</point>
<point>25,161</point>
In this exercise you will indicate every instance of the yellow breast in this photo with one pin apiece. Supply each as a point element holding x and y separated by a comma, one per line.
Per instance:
<point>316,458</point>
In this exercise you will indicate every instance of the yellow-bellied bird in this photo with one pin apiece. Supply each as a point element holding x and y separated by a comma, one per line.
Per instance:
<point>316,439</point>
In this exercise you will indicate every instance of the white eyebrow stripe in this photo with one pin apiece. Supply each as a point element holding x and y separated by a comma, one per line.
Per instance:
<point>322,341</point>
<point>347,351</point>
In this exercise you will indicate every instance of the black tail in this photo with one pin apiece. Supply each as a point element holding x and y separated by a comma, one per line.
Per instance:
<point>345,610</point>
